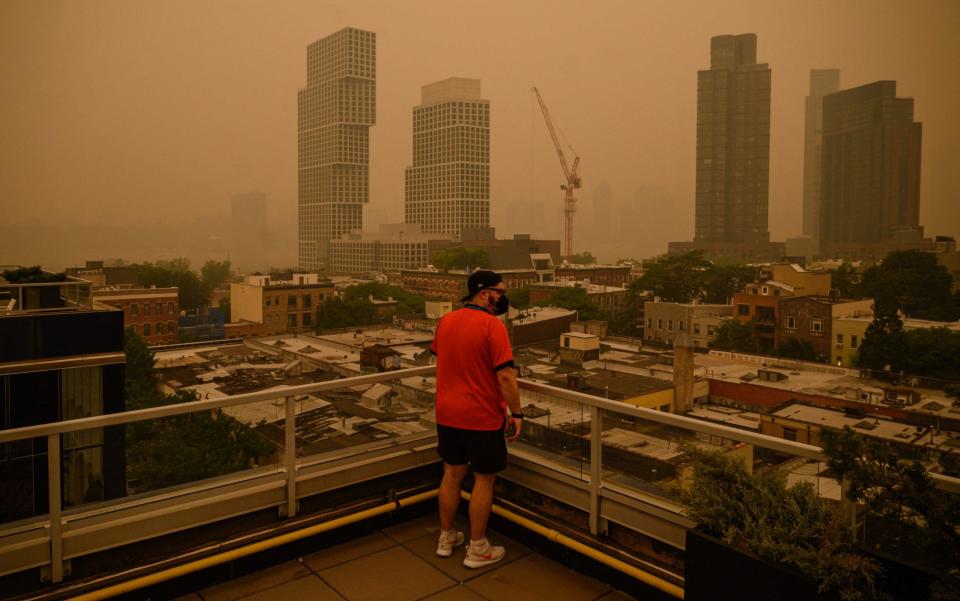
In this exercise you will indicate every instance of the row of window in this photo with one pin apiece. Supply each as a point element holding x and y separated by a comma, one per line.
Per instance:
<point>157,308</point>
<point>681,326</point>
<point>816,324</point>
<point>291,300</point>
<point>148,329</point>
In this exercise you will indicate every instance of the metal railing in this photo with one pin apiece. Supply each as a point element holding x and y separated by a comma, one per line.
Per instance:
<point>73,294</point>
<point>281,486</point>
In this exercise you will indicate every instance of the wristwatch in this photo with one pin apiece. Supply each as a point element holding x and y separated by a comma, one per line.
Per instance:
<point>516,415</point>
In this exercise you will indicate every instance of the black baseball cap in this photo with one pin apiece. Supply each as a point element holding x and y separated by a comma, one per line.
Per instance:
<point>480,280</point>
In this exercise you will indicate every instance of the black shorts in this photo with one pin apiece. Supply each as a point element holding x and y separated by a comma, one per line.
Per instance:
<point>485,450</point>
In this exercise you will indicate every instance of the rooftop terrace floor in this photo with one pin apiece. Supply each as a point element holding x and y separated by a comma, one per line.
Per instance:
<point>399,563</point>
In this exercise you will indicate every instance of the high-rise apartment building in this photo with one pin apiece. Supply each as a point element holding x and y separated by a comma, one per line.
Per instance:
<point>822,82</point>
<point>448,185</point>
<point>870,180</point>
<point>335,112</point>
<point>248,231</point>
<point>733,143</point>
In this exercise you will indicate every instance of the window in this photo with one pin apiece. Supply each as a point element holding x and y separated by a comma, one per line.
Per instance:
<point>659,323</point>
<point>146,309</point>
<point>670,325</point>
<point>276,300</point>
<point>133,309</point>
<point>292,300</point>
<point>743,309</point>
<point>853,341</point>
<point>266,301</point>
<point>291,320</point>
<point>764,290</point>
<point>159,328</point>
<point>170,310</point>
<point>696,328</point>
<point>840,340</point>
<point>146,329</point>
<point>650,323</point>
<point>790,322</point>
<point>159,308</point>
<point>681,325</point>
<point>789,434</point>
<point>711,330</point>
<point>307,319</point>
<point>307,301</point>
<point>566,342</point>
<point>171,328</point>
<point>816,326</point>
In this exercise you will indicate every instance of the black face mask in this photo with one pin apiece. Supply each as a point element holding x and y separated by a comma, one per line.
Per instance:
<point>502,305</point>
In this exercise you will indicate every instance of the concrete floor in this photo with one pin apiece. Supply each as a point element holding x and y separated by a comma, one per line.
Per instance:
<point>399,563</point>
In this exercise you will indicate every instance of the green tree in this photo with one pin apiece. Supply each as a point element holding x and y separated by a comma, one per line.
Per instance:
<point>32,275</point>
<point>185,448</point>
<point>577,299</point>
<point>721,282</point>
<point>519,298</point>
<point>345,313</point>
<point>845,279</point>
<point>676,278</point>
<point>913,282</point>
<point>584,258</point>
<point>884,343</point>
<point>225,309</point>
<point>933,352</point>
<point>215,273</point>
<point>460,257</point>
<point>794,348</point>
<point>731,335</point>
<point>193,292</point>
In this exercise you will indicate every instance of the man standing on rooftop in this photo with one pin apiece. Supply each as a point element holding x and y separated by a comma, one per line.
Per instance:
<point>476,384</point>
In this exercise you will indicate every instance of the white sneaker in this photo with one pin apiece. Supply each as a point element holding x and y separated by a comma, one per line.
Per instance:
<point>446,545</point>
<point>479,556</point>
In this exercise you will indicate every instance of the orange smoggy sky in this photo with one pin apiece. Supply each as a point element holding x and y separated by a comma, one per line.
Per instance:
<point>135,112</point>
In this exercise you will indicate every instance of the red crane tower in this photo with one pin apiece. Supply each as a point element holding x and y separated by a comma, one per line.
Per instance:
<point>572,176</point>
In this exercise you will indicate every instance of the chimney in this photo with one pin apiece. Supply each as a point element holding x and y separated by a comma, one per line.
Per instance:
<point>682,373</point>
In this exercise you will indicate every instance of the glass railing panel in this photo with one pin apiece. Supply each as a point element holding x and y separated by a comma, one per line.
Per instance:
<point>557,431</point>
<point>184,449</point>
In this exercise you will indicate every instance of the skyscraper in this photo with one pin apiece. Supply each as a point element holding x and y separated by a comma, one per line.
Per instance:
<point>822,82</point>
<point>335,111</point>
<point>448,185</point>
<point>733,143</point>
<point>870,180</point>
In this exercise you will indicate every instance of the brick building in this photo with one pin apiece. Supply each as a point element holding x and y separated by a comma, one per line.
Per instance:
<point>153,313</point>
<point>608,298</point>
<point>452,286</point>
<point>810,319</point>
<point>759,304</point>
<point>665,321</point>
<point>278,306</point>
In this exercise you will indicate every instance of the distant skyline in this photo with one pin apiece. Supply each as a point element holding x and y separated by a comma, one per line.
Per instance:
<point>112,109</point>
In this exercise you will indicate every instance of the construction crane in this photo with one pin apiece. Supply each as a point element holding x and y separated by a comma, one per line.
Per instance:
<point>572,176</point>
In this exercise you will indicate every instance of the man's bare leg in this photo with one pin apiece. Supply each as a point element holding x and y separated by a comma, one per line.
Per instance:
<point>481,500</point>
<point>449,495</point>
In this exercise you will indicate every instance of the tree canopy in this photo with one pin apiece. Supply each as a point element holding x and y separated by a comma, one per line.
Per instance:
<point>913,282</point>
<point>845,279</point>
<point>460,257</point>
<point>687,277</point>
<point>339,312</point>
<point>215,273</point>
<point>194,293</point>
<point>577,299</point>
<point>406,302</point>
<point>731,335</point>
<point>794,348</point>
<point>584,258</point>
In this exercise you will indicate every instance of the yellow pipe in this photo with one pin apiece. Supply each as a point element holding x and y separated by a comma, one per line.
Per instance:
<point>556,537</point>
<point>213,560</point>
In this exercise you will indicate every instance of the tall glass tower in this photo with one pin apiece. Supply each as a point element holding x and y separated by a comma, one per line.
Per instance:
<point>733,144</point>
<point>334,114</point>
<point>448,185</point>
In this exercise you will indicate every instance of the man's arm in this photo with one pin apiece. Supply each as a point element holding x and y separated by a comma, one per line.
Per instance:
<point>507,378</point>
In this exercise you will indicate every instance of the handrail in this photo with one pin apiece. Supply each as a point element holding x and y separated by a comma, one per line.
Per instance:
<point>815,453</point>
<point>127,417</point>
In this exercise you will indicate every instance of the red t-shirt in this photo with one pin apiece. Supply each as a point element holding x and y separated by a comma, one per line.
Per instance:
<point>471,345</point>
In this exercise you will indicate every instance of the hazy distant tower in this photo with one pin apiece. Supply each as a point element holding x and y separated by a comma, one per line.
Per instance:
<point>448,185</point>
<point>870,180</point>
<point>335,111</point>
<point>822,82</point>
<point>248,231</point>
<point>733,143</point>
